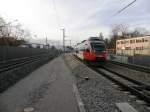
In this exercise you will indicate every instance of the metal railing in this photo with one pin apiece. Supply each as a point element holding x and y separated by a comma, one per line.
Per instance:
<point>132,56</point>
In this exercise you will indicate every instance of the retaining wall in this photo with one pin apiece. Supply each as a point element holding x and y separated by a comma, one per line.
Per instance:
<point>7,52</point>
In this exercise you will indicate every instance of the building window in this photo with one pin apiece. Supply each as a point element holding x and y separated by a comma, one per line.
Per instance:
<point>145,40</point>
<point>122,42</point>
<point>118,48</point>
<point>139,48</point>
<point>138,41</point>
<point>127,48</point>
<point>132,41</point>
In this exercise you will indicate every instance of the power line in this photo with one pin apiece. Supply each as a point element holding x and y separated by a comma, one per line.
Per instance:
<point>124,8</point>
<point>59,24</point>
<point>56,11</point>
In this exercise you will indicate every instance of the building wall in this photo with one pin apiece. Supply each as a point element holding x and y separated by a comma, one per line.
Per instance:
<point>140,45</point>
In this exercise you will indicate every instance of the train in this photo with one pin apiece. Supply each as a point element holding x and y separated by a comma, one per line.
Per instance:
<point>91,50</point>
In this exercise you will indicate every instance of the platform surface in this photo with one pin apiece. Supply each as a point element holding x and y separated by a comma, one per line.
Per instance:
<point>47,89</point>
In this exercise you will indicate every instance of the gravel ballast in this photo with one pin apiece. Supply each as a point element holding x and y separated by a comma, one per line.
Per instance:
<point>98,93</point>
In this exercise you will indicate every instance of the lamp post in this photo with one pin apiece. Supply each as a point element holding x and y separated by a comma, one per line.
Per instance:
<point>122,49</point>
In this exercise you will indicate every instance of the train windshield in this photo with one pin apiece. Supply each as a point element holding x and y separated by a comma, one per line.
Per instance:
<point>98,46</point>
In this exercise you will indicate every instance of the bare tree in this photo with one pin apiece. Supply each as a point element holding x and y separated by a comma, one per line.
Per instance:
<point>120,30</point>
<point>12,35</point>
<point>138,32</point>
<point>101,36</point>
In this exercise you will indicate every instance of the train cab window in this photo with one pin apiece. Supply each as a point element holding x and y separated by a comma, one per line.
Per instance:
<point>98,46</point>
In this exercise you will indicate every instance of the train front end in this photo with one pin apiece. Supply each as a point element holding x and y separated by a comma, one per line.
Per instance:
<point>98,49</point>
<point>97,52</point>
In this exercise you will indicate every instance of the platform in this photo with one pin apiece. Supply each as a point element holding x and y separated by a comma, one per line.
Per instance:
<point>47,89</point>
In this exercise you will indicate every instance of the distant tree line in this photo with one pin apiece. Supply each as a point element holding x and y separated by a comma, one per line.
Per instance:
<point>123,32</point>
<point>12,35</point>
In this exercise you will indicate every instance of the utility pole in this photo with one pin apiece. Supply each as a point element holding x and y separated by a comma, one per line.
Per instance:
<point>46,41</point>
<point>63,39</point>
<point>70,42</point>
<point>47,45</point>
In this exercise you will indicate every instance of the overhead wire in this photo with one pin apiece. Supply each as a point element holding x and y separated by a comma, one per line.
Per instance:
<point>57,14</point>
<point>118,12</point>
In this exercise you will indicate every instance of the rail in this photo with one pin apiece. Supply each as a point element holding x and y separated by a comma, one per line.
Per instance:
<point>132,66</point>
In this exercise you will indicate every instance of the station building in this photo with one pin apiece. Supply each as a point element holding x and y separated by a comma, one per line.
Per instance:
<point>134,46</point>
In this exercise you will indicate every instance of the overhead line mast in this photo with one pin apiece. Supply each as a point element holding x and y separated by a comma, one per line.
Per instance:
<point>63,39</point>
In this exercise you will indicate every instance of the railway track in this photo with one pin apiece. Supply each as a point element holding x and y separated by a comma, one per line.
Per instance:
<point>13,64</point>
<point>140,89</point>
<point>132,66</point>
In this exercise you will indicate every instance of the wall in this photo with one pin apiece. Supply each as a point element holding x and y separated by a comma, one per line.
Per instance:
<point>7,52</point>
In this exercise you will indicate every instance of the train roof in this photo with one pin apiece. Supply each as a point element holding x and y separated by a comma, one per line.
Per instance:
<point>83,41</point>
<point>94,39</point>
<point>100,42</point>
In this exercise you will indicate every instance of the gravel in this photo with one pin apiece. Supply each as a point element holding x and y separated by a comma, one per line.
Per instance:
<point>98,94</point>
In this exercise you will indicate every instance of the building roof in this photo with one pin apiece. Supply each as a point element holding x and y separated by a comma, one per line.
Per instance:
<point>146,36</point>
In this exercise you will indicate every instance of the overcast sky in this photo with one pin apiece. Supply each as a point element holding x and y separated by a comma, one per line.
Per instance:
<point>81,18</point>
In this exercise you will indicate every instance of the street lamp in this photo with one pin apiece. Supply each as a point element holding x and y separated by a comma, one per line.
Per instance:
<point>122,49</point>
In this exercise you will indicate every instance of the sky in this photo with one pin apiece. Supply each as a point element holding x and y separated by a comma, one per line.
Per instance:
<point>80,18</point>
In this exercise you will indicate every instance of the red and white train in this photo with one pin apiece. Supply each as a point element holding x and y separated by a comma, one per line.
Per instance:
<point>92,50</point>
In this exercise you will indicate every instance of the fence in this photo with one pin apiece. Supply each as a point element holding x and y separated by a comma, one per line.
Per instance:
<point>132,56</point>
